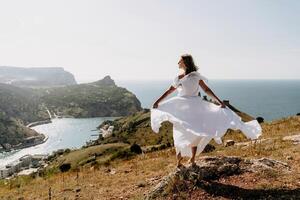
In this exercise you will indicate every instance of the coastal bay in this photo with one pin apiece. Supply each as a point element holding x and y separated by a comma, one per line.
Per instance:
<point>62,133</point>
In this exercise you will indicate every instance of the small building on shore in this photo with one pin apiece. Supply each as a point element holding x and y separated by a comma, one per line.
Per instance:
<point>4,172</point>
<point>22,163</point>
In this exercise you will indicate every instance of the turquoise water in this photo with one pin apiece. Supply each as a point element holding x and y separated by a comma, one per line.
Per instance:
<point>270,99</point>
<point>62,133</point>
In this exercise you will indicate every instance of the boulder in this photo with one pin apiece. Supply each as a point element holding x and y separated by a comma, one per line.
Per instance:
<point>209,148</point>
<point>65,167</point>
<point>135,148</point>
<point>260,119</point>
<point>212,168</point>
<point>228,143</point>
<point>294,138</point>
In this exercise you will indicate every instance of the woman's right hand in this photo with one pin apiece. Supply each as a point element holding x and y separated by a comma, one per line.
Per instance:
<point>155,105</point>
<point>223,105</point>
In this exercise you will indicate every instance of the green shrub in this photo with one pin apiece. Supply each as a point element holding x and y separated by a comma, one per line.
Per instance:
<point>122,154</point>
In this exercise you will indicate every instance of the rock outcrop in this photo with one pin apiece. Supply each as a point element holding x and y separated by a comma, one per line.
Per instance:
<point>212,168</point>
<point>106,81</point>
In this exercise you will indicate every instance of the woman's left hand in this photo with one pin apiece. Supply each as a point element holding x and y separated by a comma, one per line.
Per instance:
<point>223,105</point>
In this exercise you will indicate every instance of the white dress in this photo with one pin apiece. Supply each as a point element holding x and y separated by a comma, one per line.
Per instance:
<point>196,121</point>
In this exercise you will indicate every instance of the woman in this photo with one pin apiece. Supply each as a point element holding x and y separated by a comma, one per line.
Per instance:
<point>196,121</point>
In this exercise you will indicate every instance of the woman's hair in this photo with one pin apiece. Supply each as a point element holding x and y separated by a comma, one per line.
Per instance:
<point>189,63</point>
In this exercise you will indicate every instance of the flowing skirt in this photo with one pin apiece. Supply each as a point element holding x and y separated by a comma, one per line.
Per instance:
<point>196,121</point>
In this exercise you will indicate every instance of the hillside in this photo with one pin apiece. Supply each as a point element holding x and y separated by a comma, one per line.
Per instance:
<point>36,77</point>
<point>18,107</point>
<point>114,170</point>
<point>21,103</point>
<point>13,133</point>
<point>97,99</point>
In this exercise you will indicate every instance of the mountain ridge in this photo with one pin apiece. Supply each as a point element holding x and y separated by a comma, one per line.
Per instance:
<point>36,76</point>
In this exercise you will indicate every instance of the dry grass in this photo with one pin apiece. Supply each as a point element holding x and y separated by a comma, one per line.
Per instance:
<point>80,157</point>
<point>129,178</point>
<point>282,127</point>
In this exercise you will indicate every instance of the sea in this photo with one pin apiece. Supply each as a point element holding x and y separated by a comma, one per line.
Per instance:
<point>270,99</point>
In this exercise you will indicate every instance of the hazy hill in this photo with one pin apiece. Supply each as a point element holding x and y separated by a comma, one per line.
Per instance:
<point>21,103</point>
<point>36,77</point>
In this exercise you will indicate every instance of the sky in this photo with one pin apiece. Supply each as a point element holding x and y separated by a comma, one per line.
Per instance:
<point>143,40</point>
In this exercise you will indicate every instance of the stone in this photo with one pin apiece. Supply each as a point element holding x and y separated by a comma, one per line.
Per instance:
<point>289,158</point>
<point>141,184</point>
<point>77,190</point>
<point>253,142</point>
<point>260,119</point>
<point>258,165</point>
<point>65,167</point>
<point>135,148</point>
<point>294,138</point>
<point>126,171</point>
<point>113,171</point>
<point>209,148</point>
<point>228,143</point>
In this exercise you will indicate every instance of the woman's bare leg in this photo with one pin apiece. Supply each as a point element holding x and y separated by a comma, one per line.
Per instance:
<point>179,158</point>
<point>192,159</point>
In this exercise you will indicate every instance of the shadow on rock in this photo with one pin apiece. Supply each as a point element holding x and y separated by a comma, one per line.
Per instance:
<point>235,192</point>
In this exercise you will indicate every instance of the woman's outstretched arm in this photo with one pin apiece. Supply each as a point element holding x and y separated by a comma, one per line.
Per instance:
<point>165,94</point>
<point>208,91</point>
